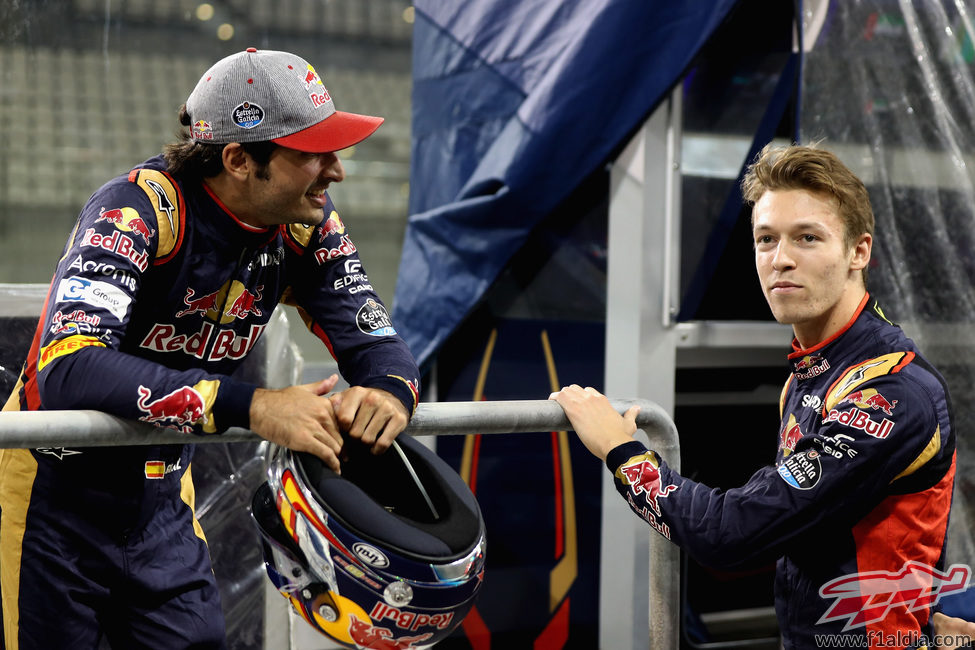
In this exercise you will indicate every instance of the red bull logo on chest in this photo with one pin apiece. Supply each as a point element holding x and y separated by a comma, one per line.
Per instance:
<point>868,398</point>
<point>128,220</point>
<point>237,301</point>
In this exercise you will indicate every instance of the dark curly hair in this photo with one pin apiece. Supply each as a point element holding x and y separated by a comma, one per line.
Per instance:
<point>193,158</point>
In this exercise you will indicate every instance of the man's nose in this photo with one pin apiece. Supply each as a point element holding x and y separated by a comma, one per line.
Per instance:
<point>332,168</point>
<point>782,258</point>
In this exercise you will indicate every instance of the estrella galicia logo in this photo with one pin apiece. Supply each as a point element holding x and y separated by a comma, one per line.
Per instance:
<point>248,115</point>
<point>802,471</point>
<point>373,320</point>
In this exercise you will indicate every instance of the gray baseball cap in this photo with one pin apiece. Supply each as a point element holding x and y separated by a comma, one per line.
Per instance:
<point>259,95</point>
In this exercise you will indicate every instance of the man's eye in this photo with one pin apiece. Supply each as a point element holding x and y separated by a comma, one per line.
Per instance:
<point>809,238</point>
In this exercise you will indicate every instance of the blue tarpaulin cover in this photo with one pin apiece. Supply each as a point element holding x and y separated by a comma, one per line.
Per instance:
<point>514,104</point>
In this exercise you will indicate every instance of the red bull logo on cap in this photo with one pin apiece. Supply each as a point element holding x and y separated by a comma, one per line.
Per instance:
<point>202,130</point>
<point>127,219</point>
<point>316,89</point>
<point>869,398</point>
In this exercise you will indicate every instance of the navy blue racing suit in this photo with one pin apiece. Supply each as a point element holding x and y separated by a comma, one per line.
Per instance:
<point>855,508</point>
<point>159,295</point>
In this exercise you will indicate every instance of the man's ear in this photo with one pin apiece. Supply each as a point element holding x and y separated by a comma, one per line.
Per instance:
<point>861,252</point>
<point>236,162</point>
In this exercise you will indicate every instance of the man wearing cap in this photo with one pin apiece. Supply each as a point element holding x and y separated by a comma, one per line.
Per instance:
<point>165,285</point>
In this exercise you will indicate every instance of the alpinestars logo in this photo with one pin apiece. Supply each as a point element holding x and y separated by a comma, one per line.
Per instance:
<point>864,598</point>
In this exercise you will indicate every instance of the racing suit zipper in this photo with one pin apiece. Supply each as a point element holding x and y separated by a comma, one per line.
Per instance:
<point>211,340</point>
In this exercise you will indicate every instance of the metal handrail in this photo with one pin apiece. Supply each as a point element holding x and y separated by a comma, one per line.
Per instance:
<point>83,428</point>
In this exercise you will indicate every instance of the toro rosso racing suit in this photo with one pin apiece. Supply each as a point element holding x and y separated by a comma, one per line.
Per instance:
<point>159,295</point>
<point>855,507</point>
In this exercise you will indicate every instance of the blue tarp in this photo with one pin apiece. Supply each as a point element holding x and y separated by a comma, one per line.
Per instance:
<point>514,104</point>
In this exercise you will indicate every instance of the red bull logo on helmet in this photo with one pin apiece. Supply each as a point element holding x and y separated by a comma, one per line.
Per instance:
<point>380,638</point>
<point>179,409</point>
<point>864,598</point>
<point>128,220</point>
<point>869,398</point>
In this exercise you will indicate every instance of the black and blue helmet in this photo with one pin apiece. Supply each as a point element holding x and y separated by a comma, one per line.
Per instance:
<point>388,554</point>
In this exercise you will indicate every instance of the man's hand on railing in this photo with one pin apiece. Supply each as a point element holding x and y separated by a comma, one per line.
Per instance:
<point>599,426</point>
<point>297,417</point>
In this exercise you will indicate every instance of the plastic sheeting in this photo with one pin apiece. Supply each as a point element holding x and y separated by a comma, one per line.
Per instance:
<point>890,86</point>
<point>513,105</point>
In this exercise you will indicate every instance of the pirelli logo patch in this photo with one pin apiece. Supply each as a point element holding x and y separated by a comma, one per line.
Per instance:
<point>65,346</point>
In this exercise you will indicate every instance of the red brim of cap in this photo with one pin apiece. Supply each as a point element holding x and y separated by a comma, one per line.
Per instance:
<point>338,131</point>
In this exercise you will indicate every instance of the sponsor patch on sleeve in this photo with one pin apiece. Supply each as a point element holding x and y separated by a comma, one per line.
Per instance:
<point>65,346</point>
<point>373,320</point>
<point>802,470</point>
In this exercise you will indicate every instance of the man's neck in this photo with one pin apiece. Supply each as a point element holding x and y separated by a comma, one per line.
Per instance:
<point>812,333</point>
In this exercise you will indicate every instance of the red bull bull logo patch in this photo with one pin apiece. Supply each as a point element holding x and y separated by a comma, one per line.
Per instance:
<point>202,130</point>
<point>864,598</point>
<point>811,365</point>
<point>179,409</point>
<point>868,398</point>
<point>317,92</point>
<point>331,226</point>
<point>237,300</point>
<point>790,436</point>
<point>128,220</point>
<point>643,476</point>
<point>247,115</point>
